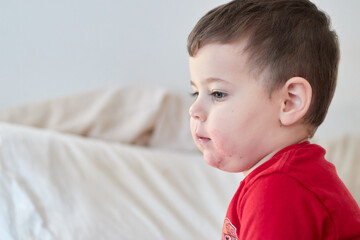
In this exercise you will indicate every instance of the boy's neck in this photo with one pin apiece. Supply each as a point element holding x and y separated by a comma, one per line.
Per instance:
<point>270,155</point>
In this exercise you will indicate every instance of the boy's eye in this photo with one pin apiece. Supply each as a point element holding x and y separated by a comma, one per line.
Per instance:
<point>218,94</point>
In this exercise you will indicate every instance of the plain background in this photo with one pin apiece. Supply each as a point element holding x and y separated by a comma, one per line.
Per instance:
<point>51,49</point>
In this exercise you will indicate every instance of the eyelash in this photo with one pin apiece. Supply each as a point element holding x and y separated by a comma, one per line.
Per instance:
<point>194,94</point>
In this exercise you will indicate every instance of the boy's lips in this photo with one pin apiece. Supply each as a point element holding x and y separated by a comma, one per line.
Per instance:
<point>202,139</point>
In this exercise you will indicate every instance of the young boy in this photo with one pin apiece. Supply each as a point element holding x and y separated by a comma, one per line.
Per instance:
<point>264,73</point>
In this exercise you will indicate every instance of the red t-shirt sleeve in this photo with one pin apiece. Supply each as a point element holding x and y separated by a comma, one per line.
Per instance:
<point>279,207</point>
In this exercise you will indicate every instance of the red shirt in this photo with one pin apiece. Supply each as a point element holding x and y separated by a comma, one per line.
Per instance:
<point>295,195</point>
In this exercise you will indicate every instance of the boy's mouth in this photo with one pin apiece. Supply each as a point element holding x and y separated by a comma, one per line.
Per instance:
<point>202,139</point>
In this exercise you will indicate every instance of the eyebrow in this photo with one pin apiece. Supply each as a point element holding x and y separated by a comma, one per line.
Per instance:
<point>210,80</point>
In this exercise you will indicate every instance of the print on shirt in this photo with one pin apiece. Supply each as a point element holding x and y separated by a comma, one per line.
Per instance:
<point>229,231</point>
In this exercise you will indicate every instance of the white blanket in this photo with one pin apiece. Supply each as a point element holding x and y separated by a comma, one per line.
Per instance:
<point>116,163</point>
<point>57,186</point>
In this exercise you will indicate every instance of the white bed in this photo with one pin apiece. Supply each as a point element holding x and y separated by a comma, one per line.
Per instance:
<point>118,163</point>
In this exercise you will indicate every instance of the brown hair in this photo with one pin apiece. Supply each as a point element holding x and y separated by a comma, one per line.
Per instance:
<point>288,38</point>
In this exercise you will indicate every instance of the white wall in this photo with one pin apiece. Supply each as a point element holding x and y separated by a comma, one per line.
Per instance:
<point>54,48</point>
<point>344,113</point>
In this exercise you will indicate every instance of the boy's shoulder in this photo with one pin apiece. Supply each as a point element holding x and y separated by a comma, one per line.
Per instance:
<point>298,183</point>
<point>302,167</point>
<point>302,162</point>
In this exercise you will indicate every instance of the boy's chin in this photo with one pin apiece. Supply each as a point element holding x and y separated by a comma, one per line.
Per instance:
<point>214,161</point>
<point>222,164</point>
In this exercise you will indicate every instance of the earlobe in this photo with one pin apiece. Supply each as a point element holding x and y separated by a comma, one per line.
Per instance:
<point>296,98</point>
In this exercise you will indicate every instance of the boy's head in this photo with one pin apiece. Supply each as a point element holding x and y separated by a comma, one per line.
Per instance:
<point>284,39</point>
<point>264,73</point>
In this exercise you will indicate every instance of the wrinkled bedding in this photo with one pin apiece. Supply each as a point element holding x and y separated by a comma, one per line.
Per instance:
<point>115,163</point>
<point>57,186</point>
<point>139,115</point>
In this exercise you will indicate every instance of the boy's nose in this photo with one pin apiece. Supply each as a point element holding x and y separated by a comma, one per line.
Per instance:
<point>196,111</point>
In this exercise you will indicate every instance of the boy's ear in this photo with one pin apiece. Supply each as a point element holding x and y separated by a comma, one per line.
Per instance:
<point>295,102</point>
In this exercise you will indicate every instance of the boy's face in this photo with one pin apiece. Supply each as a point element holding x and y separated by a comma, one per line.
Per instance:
<point>233,119</point>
